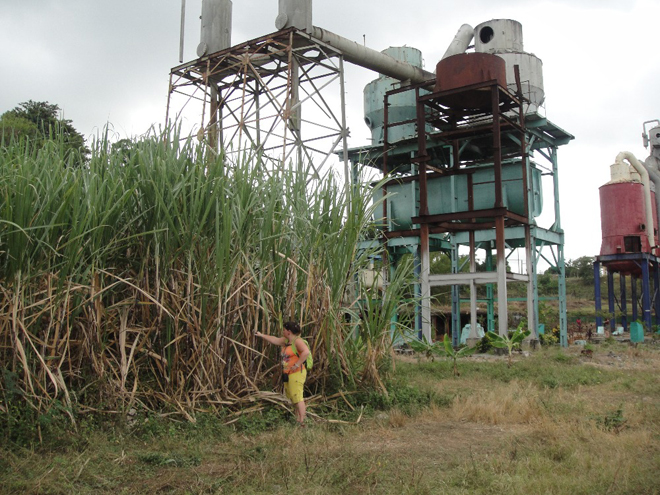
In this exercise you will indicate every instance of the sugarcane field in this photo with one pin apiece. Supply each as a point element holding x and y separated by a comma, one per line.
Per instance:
<point>379,248</point>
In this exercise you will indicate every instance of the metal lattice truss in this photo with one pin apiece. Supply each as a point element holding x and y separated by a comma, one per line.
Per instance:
<point>274,96</point>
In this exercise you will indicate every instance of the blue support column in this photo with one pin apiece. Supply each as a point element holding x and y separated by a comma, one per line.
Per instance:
<point>646,296</point>
<point>633,296</point>
<point>656,299</point>
<point>610,299</point>
<point>597,295</point>
<point>624,310</point>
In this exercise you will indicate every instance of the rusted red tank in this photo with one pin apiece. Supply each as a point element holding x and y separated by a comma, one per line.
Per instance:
<point>466,69</point>
<point>623,222</point>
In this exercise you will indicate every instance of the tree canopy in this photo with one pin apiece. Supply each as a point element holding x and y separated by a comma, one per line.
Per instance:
<point>582,268</point>
<point>39,121</point>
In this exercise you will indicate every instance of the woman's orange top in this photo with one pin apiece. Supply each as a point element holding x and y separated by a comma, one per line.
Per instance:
<point>289,359</point>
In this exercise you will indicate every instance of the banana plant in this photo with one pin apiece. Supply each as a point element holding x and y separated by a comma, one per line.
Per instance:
<point>508,342</point>
<point>456,354</point>
<point>428,349</point>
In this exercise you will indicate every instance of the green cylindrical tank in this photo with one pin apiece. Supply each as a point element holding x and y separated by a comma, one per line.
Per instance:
<point>636,332</point>
<point>402,106</point>
<point>450,195</point>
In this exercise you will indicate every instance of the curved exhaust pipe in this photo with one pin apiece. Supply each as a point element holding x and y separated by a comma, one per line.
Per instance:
<point>648,205</point>
<point>461,41</point>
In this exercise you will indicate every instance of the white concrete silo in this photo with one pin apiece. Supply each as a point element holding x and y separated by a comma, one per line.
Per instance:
<point>504,38</point>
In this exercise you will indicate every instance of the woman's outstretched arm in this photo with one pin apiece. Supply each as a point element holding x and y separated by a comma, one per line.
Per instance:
<point>271,338</point>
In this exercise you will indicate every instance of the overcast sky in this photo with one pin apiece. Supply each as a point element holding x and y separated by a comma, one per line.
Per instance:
<point>108,62</point>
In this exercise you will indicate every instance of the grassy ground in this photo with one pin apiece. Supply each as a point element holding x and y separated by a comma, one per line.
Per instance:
<point>557,422</point>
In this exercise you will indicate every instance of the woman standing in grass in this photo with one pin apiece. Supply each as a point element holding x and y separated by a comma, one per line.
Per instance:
<point>293,364</point>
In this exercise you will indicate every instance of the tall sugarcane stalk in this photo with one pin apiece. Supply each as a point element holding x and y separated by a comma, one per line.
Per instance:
<point>139,278</point>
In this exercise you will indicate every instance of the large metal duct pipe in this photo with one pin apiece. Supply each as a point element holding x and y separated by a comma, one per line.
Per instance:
<point>371,59</point>
<point>655,178</point>
<point>461,41</point>
<point>216,26</point>
<point>648,205</point>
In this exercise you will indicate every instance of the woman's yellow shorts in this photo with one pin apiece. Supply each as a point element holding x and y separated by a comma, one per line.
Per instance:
<point>294,387</point>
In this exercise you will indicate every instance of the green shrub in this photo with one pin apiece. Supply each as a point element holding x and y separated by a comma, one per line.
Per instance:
<point>548,339</point>
<point>484,345</point>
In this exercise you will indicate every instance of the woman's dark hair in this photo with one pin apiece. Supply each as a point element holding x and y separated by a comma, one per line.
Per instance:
<point>292,327</point>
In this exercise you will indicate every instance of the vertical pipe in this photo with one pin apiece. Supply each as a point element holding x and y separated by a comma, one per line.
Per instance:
<point>417,287</point>
<point>426,289</point>
<point>342,90</point>
<point>257,105</point>
<point>610,299</point>
<point>470,192</point>
<point>422,156</point>
<point>206,92</point>
<point>656,299</point>
<point>597,295</point>
<point>532,290</point>
<point>414,187</point>
<point>393,261</point>
<point>556,226</point>
<point>473,289</point>
<point>530,242</point>
<point>386,106</point>
<point>624,309</point>
<point>221,131</point>
<point>561,290</point>
<point>473,260</point>
<point>633,296</point>
<point>489,291</point>
<point>526,176</point>
<point>646,296</point>
<point>289,97</point>
<point>241,123</point>
<point>456,150</point>
<point>500,243</point>
<point>455,298</point>
<point>423,211</point>
<point>502,309</point>
<point>169,101</point>
<point>295,113</point>
<point>183,27</point>
<point>213,118</point>
<point>497,147</point>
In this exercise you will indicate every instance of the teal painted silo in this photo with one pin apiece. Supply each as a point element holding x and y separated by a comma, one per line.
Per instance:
<point>450,195</point>
<point>402,106</point>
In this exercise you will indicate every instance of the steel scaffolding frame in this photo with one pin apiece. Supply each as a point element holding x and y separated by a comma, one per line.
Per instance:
<point>273,97</point>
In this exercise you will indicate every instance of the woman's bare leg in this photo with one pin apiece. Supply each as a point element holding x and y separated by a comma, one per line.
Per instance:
<point>301,411</point>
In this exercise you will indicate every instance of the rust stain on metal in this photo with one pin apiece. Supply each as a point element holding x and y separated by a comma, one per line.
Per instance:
<point>469,68</point>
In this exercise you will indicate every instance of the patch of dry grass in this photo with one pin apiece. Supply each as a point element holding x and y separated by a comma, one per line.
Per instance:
<point>495,436</point>
<point>512,403</point>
